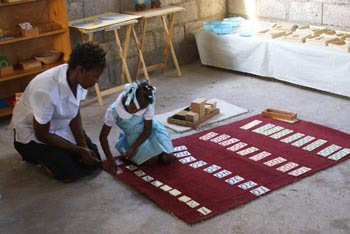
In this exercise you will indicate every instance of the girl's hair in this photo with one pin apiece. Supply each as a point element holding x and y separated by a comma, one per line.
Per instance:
<point>145,94</point>
<point>88,55</point>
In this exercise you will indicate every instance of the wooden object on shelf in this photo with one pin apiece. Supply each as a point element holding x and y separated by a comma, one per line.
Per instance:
<point>6,70</point>
<point>290,117</point>
<point>53,34</point>
<point>30,32</point>
<point>30,64</point>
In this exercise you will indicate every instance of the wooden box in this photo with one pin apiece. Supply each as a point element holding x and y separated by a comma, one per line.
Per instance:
<point>6,70</point>
<point>177,119</point>
<point>30,32</point>
<point>29,64</point>
<point>290,117</point>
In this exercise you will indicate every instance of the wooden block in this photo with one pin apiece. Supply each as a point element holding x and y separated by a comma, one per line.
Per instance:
<point>297,37</point>
<point>321,40</point>
<point>208,109</point>
<point>197,105</point>
<point>192,117</point>
<point>285,26</point>
<point>6,70</point>
<point>279,114</point>
<point>29,64</point>
<point>270,33</point>
<point>30,32</point>
<point>181,115</point>
<point>340,45</point>
<point>211,102</point>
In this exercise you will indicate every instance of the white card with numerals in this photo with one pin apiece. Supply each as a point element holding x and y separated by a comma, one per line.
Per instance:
<point>229,141</point>
<point>212,168</point>
<point>247,151</point>
<point>237,146</point>
<point>208,136</point>
<point>187,159</point>
<point>198,164</point>
<point>220,138</point>
<point>250,125</point>
<point>314,145</point>
<point>329,150</point>
<point>222,174</point>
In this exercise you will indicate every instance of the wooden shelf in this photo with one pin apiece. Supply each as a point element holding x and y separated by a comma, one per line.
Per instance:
<point>22,73</point>
<point>6,111</point>
<point>4,4</point>
<point>20,38</point>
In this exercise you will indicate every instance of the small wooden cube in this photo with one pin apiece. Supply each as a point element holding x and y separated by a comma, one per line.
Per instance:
<point>6,70</point>
<point>211,102</point>
<point>197,105</point>
<point>29,64</point>
<point>192,117</point>
<point>181,115</point>
<point>208,109</point>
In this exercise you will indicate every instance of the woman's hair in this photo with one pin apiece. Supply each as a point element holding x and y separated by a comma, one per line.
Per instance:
<point>145,94</point>
<point>88,55</point>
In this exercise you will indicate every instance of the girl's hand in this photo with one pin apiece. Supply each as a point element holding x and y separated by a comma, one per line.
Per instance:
<point>129,153</point>
<point>112,165</point>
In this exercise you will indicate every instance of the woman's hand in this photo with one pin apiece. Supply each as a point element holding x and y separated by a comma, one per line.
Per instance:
<point>88,156</point>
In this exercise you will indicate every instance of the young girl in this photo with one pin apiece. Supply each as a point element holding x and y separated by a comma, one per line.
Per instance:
<point>142,139</point>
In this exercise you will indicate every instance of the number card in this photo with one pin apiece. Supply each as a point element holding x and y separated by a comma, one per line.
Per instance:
<point>140,173</point>
<point>182,154</point>
<point>263,128</point>
<point>299,171</point>
<point>293,137</point>
<point>147,178</point>
<point>220,138</point>
<point>204,211</point>
<point>247,185</point>
<point>259,191</point>
<point>287,167</point>
<point>247,151</point>
<point>192,204</point>
<point>166,188</point>
<point>314,145</point>
<point>280,134</point>
<point>251,124</point>
<point>272,130</point>
<point>187,160</point>
<point>208,136</point>
<point>222,174</point>
<point>198,164</point>
<point>260,156</point>
<point>131,167</point>
<point>184,198</point>
<point>234,180</point>
<point>275,161</point>
<point>237,146</point>
<point>180,148</point>
<point>157,183</point>
<point>174,192</point>
<point>340,154</point>
<point>229,142</point>
<point>329,150</point>
<point>303,141</point>
<point>212,168</point>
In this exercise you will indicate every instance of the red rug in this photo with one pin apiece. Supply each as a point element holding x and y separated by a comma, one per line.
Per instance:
<point>224,167</point>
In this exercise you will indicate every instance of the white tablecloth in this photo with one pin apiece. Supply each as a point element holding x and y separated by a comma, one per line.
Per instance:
<point>308,65</point>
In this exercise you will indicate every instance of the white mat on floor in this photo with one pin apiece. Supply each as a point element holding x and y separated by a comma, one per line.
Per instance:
<point>227,111</point>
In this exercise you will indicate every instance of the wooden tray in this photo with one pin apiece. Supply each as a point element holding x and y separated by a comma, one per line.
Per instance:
<point>180,122</point>
<point>290,117</point>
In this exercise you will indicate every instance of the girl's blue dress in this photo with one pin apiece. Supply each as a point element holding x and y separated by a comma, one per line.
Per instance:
<point>158,141</point>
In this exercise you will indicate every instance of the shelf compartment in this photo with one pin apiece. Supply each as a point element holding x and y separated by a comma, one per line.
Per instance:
<point>20,38</point>
<point>18,73</point>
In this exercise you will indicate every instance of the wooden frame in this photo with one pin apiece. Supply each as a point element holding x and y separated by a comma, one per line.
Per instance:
<point>168,31</point>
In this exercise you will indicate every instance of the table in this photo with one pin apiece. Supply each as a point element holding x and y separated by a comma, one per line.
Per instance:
<point>168,30</point>
<point>309,65</point>
<point>111,21</point>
